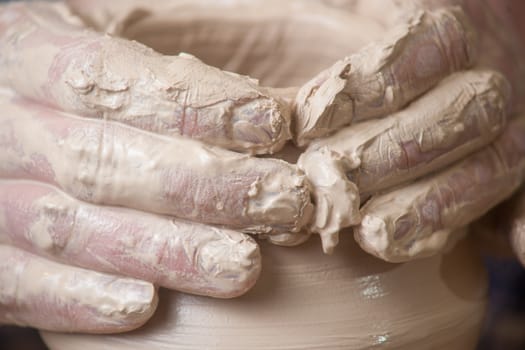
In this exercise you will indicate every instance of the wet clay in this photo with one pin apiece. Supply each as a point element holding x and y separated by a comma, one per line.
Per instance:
<point>308,300</point>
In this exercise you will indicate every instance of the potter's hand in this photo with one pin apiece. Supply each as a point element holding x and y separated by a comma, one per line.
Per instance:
<point>53,163</point>
<point>451,138</point>
<point>424,46</point>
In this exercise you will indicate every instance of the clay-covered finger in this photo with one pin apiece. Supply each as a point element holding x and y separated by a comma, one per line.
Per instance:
<point>46,295</point>
<point>109,163</point>
<point>385,76</point>
<point>48,56</point>
<point>175,254</point>
<point>417,220</point>
<point>459,116</point>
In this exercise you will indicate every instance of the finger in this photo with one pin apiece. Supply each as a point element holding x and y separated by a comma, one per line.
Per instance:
<point>416,220</point>
<point>385,76</point>
<point>174,254</point>
<point>98,76</point>
<point>43,294</point>
<point>462,114</point>
<point>108,163</point>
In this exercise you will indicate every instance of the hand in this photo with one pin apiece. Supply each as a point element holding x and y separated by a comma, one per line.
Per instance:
<point>428,150</point>
<point>89,190</point>
<point>419,52</point>
<point>491,97</point>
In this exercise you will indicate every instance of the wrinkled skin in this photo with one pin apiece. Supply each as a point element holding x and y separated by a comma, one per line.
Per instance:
<point>65,222</point>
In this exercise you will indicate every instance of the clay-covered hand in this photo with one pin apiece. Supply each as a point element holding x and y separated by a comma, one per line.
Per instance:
<point>91,190</point>
<point>423,95</point>
<point>436,140</point>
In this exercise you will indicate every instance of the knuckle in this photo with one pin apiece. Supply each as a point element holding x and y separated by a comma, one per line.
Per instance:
<point>55,224</point>
<point>87,151</point>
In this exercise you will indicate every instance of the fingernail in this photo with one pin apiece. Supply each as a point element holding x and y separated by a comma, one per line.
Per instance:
<point>231,264</point>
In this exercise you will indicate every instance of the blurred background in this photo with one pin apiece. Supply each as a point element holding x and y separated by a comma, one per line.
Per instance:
<point>504,327</point>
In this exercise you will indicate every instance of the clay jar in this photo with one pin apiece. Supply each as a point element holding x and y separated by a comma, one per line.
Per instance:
<point>308,300</point>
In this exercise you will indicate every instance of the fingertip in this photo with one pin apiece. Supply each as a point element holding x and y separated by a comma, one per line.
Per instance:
<point>130,304</point>
<point>230,265</point>
<point>261,125</point>
<point>373,235</point>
